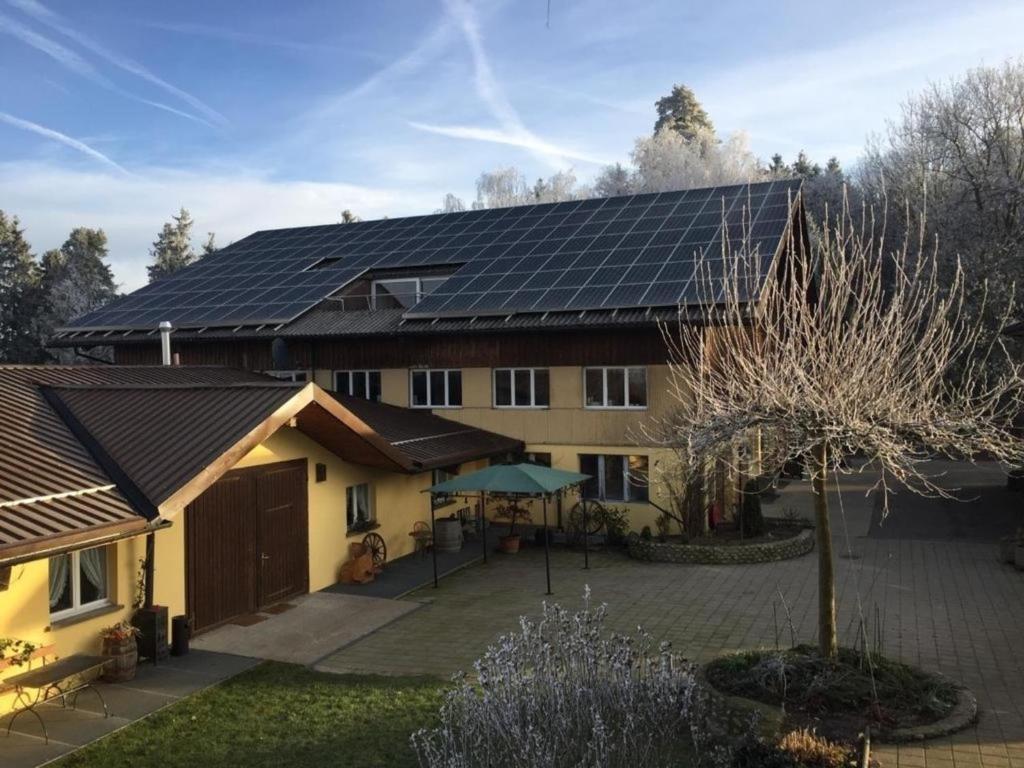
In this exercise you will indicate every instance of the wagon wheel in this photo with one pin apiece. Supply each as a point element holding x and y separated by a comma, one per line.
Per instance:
<point>376,548</point>
<point>592,511</point>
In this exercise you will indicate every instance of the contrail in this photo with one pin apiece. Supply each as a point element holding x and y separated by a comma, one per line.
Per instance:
<point>42,130</point>
<point>44,15</point>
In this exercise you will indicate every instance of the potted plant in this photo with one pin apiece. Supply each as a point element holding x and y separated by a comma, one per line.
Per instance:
<point>120,647</point>
<point>513,511</point>
<point>14,652</point>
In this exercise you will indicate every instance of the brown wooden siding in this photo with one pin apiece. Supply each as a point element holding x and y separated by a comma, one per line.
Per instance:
<point>635,346</point>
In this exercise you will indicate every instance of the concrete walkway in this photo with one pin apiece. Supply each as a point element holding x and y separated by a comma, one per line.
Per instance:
<point>153,688</point>
<point>316,625</point>
<point>941,602</point>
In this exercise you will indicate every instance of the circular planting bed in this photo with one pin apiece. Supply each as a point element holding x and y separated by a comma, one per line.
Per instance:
<point>839,698</point>
<point>781,542</point>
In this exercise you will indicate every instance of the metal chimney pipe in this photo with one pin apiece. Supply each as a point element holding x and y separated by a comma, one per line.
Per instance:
<point>165,342</point>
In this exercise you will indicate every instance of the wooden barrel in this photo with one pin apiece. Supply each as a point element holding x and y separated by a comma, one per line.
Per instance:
<point>123,658</point>
<point>449,535</point>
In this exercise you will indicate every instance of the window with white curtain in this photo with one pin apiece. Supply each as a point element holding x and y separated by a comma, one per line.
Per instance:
<point>359,507</point>
<point>79,581</point>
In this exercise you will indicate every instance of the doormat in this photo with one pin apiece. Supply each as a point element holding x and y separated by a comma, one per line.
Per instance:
<point>279,608</point>
<point>247,620</point>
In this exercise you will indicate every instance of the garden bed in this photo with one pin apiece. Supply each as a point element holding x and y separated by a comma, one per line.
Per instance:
<point>839,699</point>
<point>781,542</point>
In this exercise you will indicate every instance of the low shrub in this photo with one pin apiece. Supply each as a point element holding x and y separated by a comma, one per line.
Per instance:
<point>797,749</point>
<point>563,693</point>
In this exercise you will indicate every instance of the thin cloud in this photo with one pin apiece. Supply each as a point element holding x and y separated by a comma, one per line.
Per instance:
<point>45,16</point>
<point>250,38</point>
<point>522,139</point>
<point>49,133</point>
<point>512,130</point>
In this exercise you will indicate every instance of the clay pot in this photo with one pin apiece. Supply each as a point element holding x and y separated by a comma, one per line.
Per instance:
<point>509,544</point>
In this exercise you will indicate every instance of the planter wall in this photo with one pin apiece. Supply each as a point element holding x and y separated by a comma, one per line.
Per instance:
<point>736,554</point>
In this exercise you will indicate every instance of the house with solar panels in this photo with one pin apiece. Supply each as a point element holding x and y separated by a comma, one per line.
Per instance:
<point>540,323</point>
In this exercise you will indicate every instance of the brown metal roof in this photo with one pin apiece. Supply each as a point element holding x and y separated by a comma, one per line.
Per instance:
<point>161,437</point>
<point>428,440</point>
<point>52,489</point>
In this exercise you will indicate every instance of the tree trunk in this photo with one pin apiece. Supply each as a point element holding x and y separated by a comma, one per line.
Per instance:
<point>827,641</point>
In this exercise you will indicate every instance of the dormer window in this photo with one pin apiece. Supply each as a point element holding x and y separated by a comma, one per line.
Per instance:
<point>402,292</point>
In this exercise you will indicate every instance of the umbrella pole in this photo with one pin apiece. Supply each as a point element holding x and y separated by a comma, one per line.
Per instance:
<point>483,523</point>
<point>586,539</point>
<point>547,552</point>
<point>433,538</point>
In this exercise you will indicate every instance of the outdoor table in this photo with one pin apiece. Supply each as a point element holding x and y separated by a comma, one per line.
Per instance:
<point>55,681</point>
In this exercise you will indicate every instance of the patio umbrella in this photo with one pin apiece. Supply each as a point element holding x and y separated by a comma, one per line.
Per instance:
<point>512,480</point>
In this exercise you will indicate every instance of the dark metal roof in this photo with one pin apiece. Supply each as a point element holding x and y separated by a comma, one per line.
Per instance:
<point>599,254</point>
<point>51,486</point>
<point>162,437</point>
<point>428,440</point>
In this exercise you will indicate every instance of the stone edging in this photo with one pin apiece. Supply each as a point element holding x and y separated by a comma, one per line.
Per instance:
<point>705,554</point>
<point>732,715</point>
<point>964,714</point>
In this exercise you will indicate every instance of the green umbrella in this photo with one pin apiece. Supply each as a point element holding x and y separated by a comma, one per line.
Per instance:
<point>518,479</point>
<point>528,479</point>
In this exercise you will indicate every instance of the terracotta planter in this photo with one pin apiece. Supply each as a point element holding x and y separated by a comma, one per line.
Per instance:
<point>509,544</point>
<point>124,659</point>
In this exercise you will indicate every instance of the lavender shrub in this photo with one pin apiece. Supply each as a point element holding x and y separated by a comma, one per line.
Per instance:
<point>563,693</point>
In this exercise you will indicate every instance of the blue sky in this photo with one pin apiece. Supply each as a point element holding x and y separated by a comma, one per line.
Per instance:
<point>266,114</point>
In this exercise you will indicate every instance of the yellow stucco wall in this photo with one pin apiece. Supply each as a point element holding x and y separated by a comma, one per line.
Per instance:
<point>398,502</point>
<point>566,421</point>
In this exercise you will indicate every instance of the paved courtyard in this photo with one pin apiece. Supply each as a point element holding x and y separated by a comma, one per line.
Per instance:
<point>941,599</point>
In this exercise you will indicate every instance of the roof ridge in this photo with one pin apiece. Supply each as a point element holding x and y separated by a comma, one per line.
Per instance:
<point>182,386</point>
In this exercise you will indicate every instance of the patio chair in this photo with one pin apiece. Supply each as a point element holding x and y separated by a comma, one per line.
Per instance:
<point>422,536</point>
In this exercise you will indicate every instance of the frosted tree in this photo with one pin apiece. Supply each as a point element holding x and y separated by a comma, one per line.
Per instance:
<point>848,349</point>
<point>172,250</point>
<point>667,161</point>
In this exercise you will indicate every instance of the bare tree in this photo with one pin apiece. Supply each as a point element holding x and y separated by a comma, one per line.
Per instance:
<point>847,348</point>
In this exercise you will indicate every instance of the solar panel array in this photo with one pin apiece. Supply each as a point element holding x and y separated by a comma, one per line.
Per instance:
<point>619,252</point>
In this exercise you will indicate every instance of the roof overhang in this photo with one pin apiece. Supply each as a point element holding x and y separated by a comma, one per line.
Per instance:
<point>51,546</point>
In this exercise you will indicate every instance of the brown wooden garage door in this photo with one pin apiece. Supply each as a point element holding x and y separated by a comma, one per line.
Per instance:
<point>247,543</point>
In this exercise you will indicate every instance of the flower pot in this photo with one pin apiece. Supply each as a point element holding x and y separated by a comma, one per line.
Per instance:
<point>124,659</point>
<point>509,544</point>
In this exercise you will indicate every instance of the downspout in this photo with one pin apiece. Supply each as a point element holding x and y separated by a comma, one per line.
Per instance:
<point>165,358</point>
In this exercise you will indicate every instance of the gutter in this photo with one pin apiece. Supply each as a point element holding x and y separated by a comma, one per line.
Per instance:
<point>61,549</point>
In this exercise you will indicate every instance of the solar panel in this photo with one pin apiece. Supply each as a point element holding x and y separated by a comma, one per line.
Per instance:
<point>606,253</point>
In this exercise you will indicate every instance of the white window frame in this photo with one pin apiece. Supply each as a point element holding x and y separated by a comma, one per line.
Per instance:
<point>627,485</point>
<point>430,399</point>
<point>77,606</point>
<point>512,383</point>
<point>604,387</point>
<point>371,507</point>
<point>290,374</point>
<point>366,374</point>
<point>418,280</point>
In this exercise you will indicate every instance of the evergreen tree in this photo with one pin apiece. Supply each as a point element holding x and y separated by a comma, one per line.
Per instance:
<point>804,168</point>
<point>20,302</point>
<point>76,277</point>
<point>172,249</point>
<point>778,167</point>
<point>210,246</point>
<point>681,112</point>
<point>347,217</point>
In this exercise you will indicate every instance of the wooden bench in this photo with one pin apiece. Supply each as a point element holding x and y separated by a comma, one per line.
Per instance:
<point>60,679</point>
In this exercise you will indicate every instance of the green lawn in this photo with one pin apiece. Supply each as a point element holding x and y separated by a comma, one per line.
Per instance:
<point>278,715</point>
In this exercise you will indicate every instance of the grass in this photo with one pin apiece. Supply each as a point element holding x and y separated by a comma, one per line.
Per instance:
<point>278,715</point>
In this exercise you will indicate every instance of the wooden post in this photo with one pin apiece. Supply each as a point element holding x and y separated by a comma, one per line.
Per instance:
<point>547,553</point>
<point>150,554</point>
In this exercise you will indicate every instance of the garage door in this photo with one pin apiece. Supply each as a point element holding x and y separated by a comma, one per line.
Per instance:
<point>247,543</point>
